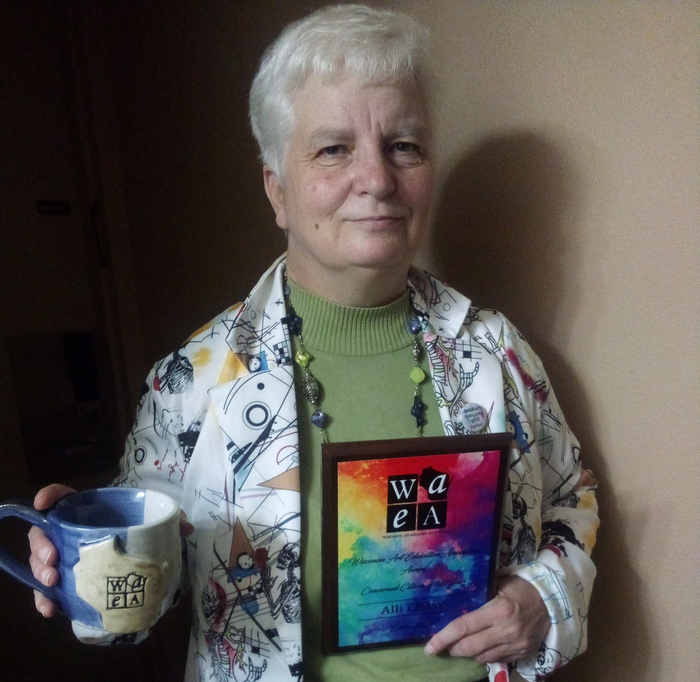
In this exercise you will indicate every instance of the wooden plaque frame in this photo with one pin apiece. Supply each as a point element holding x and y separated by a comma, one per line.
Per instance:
<point>410,536</point>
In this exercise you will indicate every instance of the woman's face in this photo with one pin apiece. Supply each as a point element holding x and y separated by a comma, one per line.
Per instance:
<point>357,181</point>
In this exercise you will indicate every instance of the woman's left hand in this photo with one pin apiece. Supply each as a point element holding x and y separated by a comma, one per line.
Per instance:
<point>508,628</point>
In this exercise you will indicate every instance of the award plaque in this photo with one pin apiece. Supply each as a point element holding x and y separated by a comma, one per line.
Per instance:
<point>410,536</point>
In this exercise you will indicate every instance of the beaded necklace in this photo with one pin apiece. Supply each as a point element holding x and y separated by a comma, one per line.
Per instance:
<point>310,387</point>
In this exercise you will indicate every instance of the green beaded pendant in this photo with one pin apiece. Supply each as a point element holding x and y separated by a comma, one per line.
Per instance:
<point>417,375</point>
<point>303,357</point>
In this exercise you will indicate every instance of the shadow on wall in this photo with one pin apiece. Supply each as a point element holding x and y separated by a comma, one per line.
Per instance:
<point>508,206</point>
<point>511,208</point>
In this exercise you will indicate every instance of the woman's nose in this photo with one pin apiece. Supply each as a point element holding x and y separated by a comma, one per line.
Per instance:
<point>374,175</point>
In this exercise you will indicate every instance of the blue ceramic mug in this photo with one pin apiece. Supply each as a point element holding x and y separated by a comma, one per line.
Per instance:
<point>119,559</point>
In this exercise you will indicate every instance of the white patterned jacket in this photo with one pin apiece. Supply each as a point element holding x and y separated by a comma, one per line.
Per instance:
<point>216,428</point>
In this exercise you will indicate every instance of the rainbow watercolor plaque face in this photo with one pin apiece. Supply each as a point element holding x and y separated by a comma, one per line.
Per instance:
<point>410,536</point>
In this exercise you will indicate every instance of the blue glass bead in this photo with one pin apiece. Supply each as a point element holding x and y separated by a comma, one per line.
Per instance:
<point>294,323</point>
<point>414,326</point>
<point>417,411</point>
<point>318,419</point>
<point>287,290</point>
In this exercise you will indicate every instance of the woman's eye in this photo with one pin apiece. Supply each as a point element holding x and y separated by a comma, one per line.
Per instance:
<point>406,153</point>
<point>333,150</point>
<point>406,147</point>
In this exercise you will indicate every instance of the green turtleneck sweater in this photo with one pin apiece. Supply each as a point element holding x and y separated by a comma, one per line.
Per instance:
<point>362,358</point>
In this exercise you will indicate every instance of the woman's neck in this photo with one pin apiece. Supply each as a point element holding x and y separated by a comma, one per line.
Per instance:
<point>358,288</point>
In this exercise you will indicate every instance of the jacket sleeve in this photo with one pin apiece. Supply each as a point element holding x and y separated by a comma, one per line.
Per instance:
<point>154,456</point>
<point>172,407</point>
<point>156,449</point>
<point>561,568</point>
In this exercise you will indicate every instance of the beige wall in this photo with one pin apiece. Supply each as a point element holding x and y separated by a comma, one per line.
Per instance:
<point>568,133</point>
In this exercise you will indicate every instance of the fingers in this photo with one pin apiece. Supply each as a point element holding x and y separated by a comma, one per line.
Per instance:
<point>42,548</point>
<point>51,494</point>
<point>43,571</point>
<point>45,574</point>
<point>467,626</point>
<point>506,639</point>
<point>186,528</point>
<point>43,605</point>
<point>43,553</point>
<point>500,654</point>
<point>587,480</point>
<point>508,628</point>
<point>475,645</point>
<point>478,635</point>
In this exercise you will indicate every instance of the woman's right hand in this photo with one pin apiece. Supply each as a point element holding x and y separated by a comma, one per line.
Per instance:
<point>43,557</point>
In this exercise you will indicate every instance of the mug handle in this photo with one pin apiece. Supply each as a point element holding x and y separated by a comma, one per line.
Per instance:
<point>15,568</point>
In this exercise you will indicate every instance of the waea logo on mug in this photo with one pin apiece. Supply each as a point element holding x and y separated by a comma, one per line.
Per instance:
<point>119,559</point>
<point>127,591</point>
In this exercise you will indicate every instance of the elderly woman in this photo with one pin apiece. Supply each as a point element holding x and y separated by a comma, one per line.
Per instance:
<point>231,425</point>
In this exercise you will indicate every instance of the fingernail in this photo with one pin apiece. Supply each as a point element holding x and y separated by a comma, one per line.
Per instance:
<point>429,650</point>
<point>42,610</point>
<point>45,554</point>
<point>46,575</point>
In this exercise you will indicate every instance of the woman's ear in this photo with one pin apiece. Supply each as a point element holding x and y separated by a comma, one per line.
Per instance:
<point>275,194</point>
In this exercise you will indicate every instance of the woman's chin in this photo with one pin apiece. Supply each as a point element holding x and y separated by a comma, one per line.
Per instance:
<point>383,254</point>
<point>383,262</point>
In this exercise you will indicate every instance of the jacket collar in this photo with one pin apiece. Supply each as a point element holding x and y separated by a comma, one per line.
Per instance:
<point>259,329</point>
<point>445,309</point>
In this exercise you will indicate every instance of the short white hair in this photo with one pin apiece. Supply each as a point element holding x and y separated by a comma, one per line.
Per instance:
<point>377,46</point>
